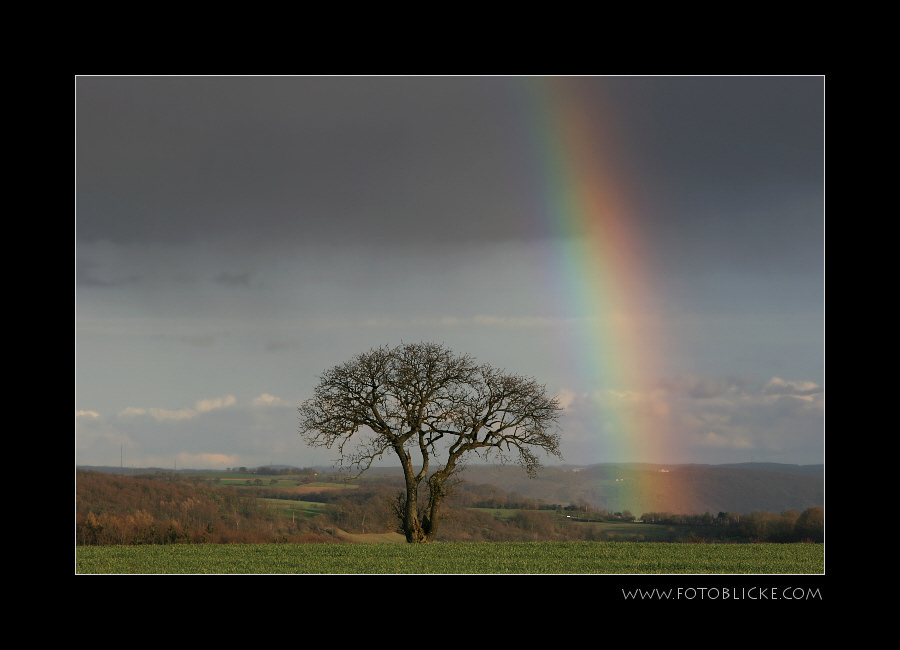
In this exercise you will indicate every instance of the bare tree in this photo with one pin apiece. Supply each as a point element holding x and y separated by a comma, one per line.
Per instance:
<point>428,406</point>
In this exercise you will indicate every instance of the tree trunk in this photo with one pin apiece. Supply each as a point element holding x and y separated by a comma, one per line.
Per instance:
<point>412,528</point>
<point>436,494</point>
<point>431,518</point>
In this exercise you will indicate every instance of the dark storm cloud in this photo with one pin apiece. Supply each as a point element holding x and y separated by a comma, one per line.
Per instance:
<point>727,170</point>
<point>712,134</point>
<point>183,159</point>
<point>721,168</point>
<point>233,279</point>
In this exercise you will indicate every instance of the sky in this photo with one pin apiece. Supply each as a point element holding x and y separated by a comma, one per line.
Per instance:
<point>650,249</point>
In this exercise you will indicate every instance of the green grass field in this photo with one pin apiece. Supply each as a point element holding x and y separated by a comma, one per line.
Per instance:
<point>456,558</point>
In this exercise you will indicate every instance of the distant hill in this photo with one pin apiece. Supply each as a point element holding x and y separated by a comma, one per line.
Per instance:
<point>681,489</point>
<point>810,470</point>
<point>641,488</point>
<point>130,470</point>
<point>154,470</point>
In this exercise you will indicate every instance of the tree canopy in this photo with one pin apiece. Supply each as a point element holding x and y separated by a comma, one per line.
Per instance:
<point>430,408</point>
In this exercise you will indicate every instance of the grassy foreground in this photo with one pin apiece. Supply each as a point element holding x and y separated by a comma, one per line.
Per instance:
<point>455,558</point>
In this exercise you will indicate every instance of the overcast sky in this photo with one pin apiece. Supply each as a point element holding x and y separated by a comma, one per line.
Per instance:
<point>236,236</point>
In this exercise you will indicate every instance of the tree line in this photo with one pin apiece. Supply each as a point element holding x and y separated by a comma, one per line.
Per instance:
<point>760,526</point>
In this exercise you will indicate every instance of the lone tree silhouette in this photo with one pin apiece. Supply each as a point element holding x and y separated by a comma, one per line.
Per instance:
<point>431,408</point>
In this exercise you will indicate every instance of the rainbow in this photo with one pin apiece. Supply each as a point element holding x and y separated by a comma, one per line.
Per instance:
<point>602,274</point>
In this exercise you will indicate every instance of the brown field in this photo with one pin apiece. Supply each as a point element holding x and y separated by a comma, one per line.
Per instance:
<point>304,489</point>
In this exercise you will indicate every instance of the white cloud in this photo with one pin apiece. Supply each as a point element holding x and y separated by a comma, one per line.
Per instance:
<point>201,406</point>
<point>133,410</point>
<point>566,398</point>
<point>220,402</point>
<point>158,414</point>
<point>207,460</point>
<point>802,389</point>
<point>268,400</point>
<point>165,414</point>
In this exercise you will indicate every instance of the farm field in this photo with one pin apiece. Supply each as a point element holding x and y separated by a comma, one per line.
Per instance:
<point>455,558</point>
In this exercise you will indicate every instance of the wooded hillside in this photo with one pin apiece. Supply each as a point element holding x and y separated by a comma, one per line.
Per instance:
<point>169,509</point>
